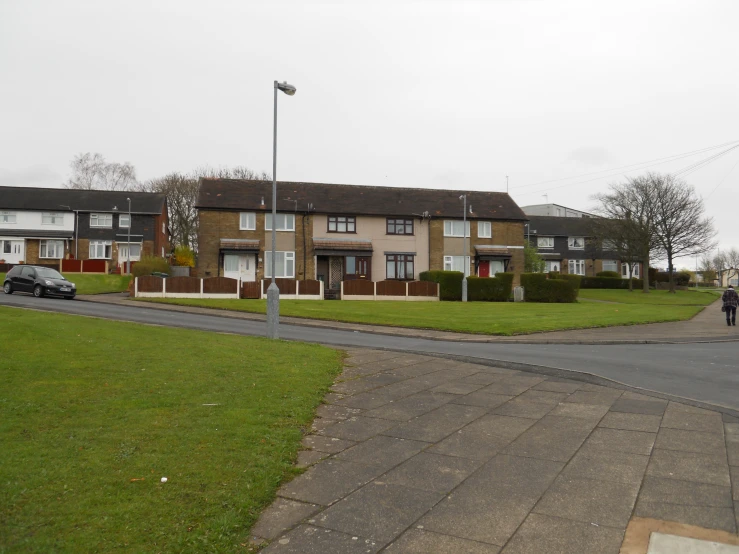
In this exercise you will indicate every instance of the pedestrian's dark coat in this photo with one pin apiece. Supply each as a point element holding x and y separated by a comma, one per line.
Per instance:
<point>730,298</point>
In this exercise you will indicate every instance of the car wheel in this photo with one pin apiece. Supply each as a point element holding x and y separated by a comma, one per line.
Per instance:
<point>38,291</point>
<point>8,288</point>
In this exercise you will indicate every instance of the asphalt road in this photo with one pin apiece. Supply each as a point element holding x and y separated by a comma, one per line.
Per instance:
<point>705,372</point>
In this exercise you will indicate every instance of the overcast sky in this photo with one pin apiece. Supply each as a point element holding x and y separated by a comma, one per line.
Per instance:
<point>452,94</point>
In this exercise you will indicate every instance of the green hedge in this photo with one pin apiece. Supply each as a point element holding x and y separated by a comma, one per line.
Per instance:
<point>538,287</point>
<point>148,265</point>
<point>612,274</point>
<point>490,289</point>
<point>608,283</point>
<point>450,283</point>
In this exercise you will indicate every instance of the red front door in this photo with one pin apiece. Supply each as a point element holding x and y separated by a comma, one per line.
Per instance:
<point>483,270</point>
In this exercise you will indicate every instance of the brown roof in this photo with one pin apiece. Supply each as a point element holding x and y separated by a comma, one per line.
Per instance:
<point>252,195</point>
<point>337,244</point>
<point>483,249</point>
<point>239,244</point>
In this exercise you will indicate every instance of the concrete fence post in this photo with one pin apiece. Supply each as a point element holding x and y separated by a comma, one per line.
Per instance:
<point>164,288</point>
<point>201,288</point>
<point>341,290</point>
<point>135,287</point>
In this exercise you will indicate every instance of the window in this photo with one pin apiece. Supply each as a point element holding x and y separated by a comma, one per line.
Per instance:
<point>399,226</point>
<point>247,221</point>
<point>400,266</point>
<point>577,267</point>
<point>454,228</point>
<point>484,230</point>
<point>342,224</point>
<point>456,263</point>
<point>284,264</point>
<point>101,220</point>
<point>51,249</point>
<point>552,266</point>
<point>285,222</point>
<point>231,262</point>
<point>610,265</point>
<point>6,247</point>
<point>164,231</point>
<point>609,245</point>
<point>559,212</point>
<point>8,217</point>
<point>545,242</point>
<point>123,252</point>
<point>48,218</point>
<point>576,243</point>
<point>625,271</point>
<point>124,221</point>
<point>100,249</point>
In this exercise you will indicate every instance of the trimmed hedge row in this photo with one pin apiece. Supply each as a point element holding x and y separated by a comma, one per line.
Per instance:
<point>484,289</point>
<point>609,283</point>
<point>613,274</point>
<point>450,283</point>
<point>149,264</point>
<point>539,287</point>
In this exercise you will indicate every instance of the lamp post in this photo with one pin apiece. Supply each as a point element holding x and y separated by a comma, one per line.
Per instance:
<point>128,251</point>
<point>273,292</point>
<point>465,265</point>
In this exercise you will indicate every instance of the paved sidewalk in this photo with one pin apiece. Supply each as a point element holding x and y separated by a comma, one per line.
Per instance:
<point>708,326</point>
<point>415,454</point>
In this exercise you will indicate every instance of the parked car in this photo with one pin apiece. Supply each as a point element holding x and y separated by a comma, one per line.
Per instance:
<point>39,281</point>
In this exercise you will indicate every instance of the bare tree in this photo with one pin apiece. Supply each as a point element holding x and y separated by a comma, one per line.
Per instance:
<point>731,262</point>
<point>238,172</point>
<point>92,172</point>
<point>680,222</point>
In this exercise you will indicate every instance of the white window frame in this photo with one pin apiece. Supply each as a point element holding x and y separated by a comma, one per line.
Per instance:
<point>552,265</point>
<point>230,258</point>
<point>451,263</point>
<point>288,222</point>
<point>55,252</point>
<point>576,267</point>
<point>107,249</point>
<point>625,270</point>
<point>545,242</point>
<point>107,220</point>
<point>608,264</point>
<point>288,258</point>
<point>8,217</point>
<point>571,243</point>
<point>247,221</point>
<point>121,225</point>
<point>50,218</point>
<point>484,229</point>
<point>453,228</point>
<point>122,254</point>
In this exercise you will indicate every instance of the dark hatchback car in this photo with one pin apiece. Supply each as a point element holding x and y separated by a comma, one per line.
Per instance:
<point>39,281</point>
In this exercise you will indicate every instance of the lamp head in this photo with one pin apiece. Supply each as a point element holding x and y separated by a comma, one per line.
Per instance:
<point>287,89</point>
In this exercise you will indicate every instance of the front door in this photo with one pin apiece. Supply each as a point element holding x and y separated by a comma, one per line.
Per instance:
<point>12,251</point>
<point>240,266</point>
<point>483,270</point>
<point>358,268</point>
<point>335,272</point>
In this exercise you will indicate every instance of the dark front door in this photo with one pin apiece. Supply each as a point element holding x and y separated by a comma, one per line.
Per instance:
<point>483,270</point>
<point>358,267</point>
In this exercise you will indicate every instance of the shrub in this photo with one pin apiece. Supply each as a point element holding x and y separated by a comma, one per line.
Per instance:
<point>490,289</point>
<point>149,264</point>
<point>450,283</point>
<point>576,280</point>
<point>184,256</point>
<point>611,274</point>
<point>608,283</point>
<point>652,274</point>
<point>682,278</point>
<point>539,288</point>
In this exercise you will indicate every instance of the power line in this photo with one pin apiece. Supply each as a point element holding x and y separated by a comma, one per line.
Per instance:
<point>702,163</point>
<point>723,179</point>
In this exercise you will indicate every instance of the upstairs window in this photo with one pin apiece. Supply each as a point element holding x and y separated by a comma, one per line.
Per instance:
<point>545,242</point>
<point>342,224</point>
<point>8,217</point>
<point>576,243</point>
<point>124,222</point>
<point>453,228</point>
<point>285,222</point>
<point>484,230</point>
<point>397,226</point>
<point>247,221</point>
<point>52,218</point>
<point>101,220</point>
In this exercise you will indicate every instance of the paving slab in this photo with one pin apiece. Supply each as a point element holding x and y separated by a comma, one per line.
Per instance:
<point>357,428</point>
<point>689,466</point>
<point>307,458</point>
<point>583,411</point>
<point>483,438</point>
<point>432,472</point>
<point>557,385</point>
<point>607,465</point>
<point>673,491</point>
<point>436,425</point>
<point>332,445</point>
<point>524,408</point>
<point>709,517</point>
<point>382,452</point>
<point>631,422</point>
<point>458,387</point>
<point>482,399</point>
<point>661,543</point>
<point>420,541</point>
<point>688,421</point>
<point>282,516</point>
<point>328,481</point>
<point>605,398</point>
<point>411,406</point>
<point>646,407</point>
<point>308,539</point>
<point>552,438</point>
<point>619,440</point>
<point>690,441</point>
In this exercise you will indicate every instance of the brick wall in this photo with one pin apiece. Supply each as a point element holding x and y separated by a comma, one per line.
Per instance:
<point>32,251</point>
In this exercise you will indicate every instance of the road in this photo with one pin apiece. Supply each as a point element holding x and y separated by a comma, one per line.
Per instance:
<point>706,372</point>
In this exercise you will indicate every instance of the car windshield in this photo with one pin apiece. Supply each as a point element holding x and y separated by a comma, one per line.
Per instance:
<point>48,273</point>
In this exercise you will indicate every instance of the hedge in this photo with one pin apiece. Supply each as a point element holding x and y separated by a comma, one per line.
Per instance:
<point>612,274</point>
<point>682,278</point>
<point>490,289</point>
<point>450,283</point>
<point>538,287</point>
<point>148,265</point>
<point>608,283</point>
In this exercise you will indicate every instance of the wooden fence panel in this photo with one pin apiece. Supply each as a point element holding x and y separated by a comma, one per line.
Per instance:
<point>286,286</point>
<point>150,283</point>
<point>250,289</point>
<point>220,285</point>
<point>310,286</point>
<point>422,288</point>
<point>183,285</point>
<point>94,266</point>
<point>72,266</point>
<point>359,287</point>
<point>391,288</point>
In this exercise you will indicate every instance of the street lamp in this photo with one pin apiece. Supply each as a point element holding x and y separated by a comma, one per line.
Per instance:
<point>128,251</point>
<point>273,292</point>
<point>465,265</point>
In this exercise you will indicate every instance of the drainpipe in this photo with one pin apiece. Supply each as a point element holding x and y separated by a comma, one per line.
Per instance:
<point>305,253</point>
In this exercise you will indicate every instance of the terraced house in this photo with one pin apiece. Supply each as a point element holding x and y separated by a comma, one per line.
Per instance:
<point>342,232</point>
<point>44,226</point>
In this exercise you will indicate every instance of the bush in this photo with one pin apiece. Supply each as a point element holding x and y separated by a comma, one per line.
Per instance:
<point>539,288</point>
<point>608,283</point>
<point>184,256</point>
<point>682,278</point>
<point>611,274</point>
<point>490,289</point>
<point>450,283</point>
<point>652,274</point>
<point>576,280</point>
<point>149,264</point>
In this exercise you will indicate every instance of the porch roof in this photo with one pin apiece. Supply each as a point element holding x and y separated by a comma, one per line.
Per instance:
<point>341,247</point>
<point>240,245</point>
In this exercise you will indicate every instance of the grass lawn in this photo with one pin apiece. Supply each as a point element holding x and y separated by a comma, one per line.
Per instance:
<point>488,318</point>
<point>655,297</point>
<point>90,283</point>
<point>90,423</point>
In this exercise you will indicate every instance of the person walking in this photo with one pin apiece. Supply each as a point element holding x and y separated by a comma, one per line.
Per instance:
<point>731,301</point>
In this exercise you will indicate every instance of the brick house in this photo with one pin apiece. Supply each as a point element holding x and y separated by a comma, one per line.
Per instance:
<point>42,225</point>
<point>342,232</point>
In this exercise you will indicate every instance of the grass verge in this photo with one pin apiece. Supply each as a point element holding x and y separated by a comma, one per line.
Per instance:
<point>486,318</point>
<point>654,297</point>
<point>89,283</point>
<point>89,425</point>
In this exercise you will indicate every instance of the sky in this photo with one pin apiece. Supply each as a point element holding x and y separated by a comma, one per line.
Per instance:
<point>561,98</point>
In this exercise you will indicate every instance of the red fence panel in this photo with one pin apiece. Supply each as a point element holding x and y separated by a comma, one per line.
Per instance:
<point>250,289</point>
<point>220,285</point>
<point>72,266</point>
<point>423,288</point>
<point>150,283</point>
<point>359,287</point>
<point>310,286</point>
<point>391,288</point>
<point>183,284</point>
<point>94,266</point>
